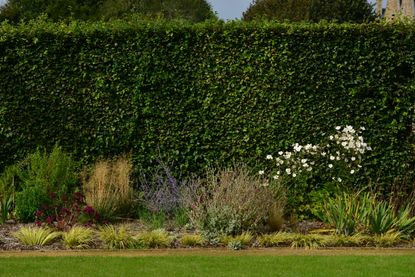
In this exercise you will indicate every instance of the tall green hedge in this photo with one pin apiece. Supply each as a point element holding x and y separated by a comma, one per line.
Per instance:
<point>206,93</point>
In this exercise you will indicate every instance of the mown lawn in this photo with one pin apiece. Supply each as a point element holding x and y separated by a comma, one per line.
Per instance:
<point>211,265</point>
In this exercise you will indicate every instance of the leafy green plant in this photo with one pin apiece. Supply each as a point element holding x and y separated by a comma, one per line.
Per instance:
<point>77,237</point>
<point>158,238</point>
<point>192,240</point>
<point>8,186</point>
<point>28,201</point>
<point>404,222</point>
<point>36,236</point>
<point>346,212</point>
<point>380,218</point>
<point>42,173</point>
<point>155,220</point>
<point>116,238</point>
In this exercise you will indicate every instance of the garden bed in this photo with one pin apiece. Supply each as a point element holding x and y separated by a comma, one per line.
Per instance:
<point>310,241</point>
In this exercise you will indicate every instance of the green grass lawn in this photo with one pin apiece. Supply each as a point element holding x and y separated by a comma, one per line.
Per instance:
<point>202,265</point>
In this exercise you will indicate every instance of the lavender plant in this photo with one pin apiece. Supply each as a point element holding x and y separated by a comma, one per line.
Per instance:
<point>161,190</point>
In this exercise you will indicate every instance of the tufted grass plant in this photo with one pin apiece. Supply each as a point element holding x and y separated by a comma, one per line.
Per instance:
<point>158,238</point>
<point>36,236</point>
<point>78,237</point>
<point>107,187</point>
<point>275,239</point>
<point>388,239</point>
<point>308,241</point>
<point>356,240</point>
<point>237,242</point>
<point>116,238</point>
<point>192,240</point>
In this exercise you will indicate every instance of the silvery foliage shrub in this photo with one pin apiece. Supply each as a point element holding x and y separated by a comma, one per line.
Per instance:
<point>229,201</point>
<point>340,155</point>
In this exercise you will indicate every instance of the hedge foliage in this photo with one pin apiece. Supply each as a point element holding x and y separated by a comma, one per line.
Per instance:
<point>206,93</point>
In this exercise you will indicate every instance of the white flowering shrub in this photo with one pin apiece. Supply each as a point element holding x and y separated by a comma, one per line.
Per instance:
<point>338,156</point>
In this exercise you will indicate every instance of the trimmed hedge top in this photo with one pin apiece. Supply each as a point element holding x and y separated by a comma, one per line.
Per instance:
<point>206,93</point>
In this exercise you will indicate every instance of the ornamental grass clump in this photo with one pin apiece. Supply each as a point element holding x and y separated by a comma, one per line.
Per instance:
<point>158,238</point>
<point>108,188</point>
<point>239,241</point>
<point>36,236</point>
<point>275,239</point>
<point>78,237</point>
<point>116,238</point>
<point>192,240</point>
<point>229,202</point>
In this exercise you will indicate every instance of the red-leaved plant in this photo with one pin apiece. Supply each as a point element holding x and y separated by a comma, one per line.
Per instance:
<point>64,211</point>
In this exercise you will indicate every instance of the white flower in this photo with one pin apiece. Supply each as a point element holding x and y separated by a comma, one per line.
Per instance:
<point>294,175</point>
<point>339,179</point>
<point>305,165</point>
<point>261,172</point>
<point>308,147</point>
<point>338,128</point>
<point>332,158</point>
<point>337,158</point>
<point>344,144</point>
<point>278,172</point>
<point>309,169</point>
<point>353,158</point>
<point>280,153</point>
<point>323,154</point>
<point>362,128</point>
<point>287,155</point>
<point>303,161</point>
<point>297,147</point>
<point>269,157</point>
<point>331,137</point>
<point>330,166</point>
<point>276,177</point>
<point>288,171</point>
<point>351,171</point>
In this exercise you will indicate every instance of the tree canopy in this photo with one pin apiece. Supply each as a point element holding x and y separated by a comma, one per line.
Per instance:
<point>310,10</point>
<point>56,10</point>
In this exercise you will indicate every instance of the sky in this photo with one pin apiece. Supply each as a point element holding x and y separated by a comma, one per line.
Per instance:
<point>228,9</point>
